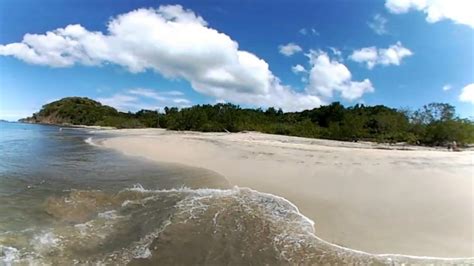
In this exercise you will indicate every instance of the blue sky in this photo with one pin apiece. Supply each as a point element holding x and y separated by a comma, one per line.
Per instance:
<point>151,54</point>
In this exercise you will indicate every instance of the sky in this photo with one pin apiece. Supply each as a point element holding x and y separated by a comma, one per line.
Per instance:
<point>293,55</point>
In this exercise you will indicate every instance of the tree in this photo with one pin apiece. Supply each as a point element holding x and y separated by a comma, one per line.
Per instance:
<point>325,115</point>
<point>434,112</point>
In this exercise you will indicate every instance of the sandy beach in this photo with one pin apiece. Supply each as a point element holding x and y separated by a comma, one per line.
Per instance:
<point>368,197</point>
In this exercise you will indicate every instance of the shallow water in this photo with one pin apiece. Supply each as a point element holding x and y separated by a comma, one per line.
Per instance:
<point>65,201</point>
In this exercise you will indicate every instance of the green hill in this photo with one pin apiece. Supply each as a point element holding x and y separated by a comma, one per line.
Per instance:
<point>84,111</point>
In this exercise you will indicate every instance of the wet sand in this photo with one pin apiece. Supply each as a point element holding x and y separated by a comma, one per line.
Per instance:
<point>363,196</point>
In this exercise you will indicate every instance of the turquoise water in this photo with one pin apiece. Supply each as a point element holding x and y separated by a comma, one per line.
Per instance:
<point>64,201</point>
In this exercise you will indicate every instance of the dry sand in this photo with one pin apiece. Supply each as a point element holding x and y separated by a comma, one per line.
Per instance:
<point>417,202</point>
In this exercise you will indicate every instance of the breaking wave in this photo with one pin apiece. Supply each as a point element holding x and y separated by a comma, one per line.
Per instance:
<point>233,226</point>
<point>90,141</point>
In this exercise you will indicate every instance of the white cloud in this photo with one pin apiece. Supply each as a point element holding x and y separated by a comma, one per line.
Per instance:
<point>378,24</point>
<point>368,55</point>
<point>289,49</point>
<point>298,69</point>
<point>328,76</point>
<point>335,51</point>
<point>372,56</point>
<point>140,98</point>
<point>173,93</point>
<point>172,41</point>
<point>447,87</point>
<point>467,94</point>
<point>122,102</point>
<point>305,31</point>
<point>147,93</point>
<point>459,11</point>
<point>181,101</point>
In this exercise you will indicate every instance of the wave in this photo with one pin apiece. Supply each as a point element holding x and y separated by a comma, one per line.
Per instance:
<point>184,226</point>
<point>90,141</point>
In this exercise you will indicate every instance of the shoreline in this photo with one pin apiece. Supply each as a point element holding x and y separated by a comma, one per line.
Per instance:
<point>65,125</point>
<point>362,144</point>
<point>362,198</point>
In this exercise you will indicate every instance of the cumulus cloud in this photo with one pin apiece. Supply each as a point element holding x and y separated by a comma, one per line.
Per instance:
<point>141,98</point>
<point>327,76</point>
<point>289,49</point>
<point>467,94</point>
<point>447,87</point>
<point>172,41</point>
<point>459,11</point>
<point>372,56</point>
<point>378,24</point>
<point>298,69</point>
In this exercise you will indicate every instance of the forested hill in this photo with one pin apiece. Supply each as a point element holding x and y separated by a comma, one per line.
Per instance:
<point>84,111</point>
<point>433,124</point>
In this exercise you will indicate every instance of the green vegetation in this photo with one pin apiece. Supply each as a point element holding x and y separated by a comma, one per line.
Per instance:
<point>433,124</point>
<point>84,111</point>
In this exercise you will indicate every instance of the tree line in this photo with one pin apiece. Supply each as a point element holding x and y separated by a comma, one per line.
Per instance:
<point>433,124</point>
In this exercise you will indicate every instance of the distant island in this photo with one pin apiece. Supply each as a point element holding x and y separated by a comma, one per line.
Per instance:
<point>433,124</point>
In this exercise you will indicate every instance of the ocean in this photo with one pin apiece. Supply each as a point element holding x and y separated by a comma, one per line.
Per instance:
<point>64,200</point>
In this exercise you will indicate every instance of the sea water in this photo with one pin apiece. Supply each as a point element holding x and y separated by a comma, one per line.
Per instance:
<point>64,201</point>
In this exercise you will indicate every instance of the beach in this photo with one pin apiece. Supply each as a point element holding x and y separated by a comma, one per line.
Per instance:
<point>363,196</point>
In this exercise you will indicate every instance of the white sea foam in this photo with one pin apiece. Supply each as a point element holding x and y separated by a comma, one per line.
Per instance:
<point>45,240</point>
<point>8,255</point>
<point>142,253</point>
<point>278,209</point>
<point>293,233</point>
<point>112,214</point>
<point>93,142</point>
<point>90,141</point>
<point>82,228</point>
<point>138,188</point>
